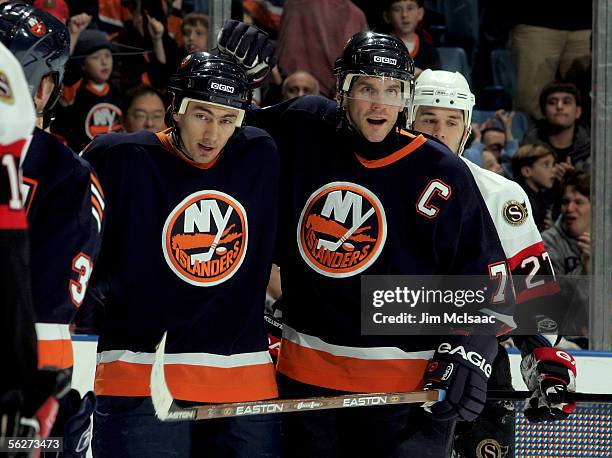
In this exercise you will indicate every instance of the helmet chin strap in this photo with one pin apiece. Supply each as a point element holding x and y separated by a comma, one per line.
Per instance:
<point>175,136</point>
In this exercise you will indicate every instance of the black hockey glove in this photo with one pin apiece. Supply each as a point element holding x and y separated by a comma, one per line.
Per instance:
<point>461,365</point>
<point>250,46</point>
<point>550,373</point>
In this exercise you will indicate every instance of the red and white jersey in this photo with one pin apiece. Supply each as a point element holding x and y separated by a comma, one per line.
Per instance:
<point>17,118</point>
<point>512,216</point>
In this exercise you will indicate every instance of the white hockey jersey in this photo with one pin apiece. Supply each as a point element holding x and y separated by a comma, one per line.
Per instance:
<point>512,216</point>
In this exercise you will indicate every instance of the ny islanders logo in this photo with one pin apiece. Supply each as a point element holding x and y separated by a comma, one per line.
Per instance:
<point>102,119</point>
<point>342,229</point>
<point>205,238</point>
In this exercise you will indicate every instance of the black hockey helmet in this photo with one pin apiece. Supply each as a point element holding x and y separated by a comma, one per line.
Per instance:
<point>374,54</point>
<point>39,41</point>
<point>209,78</point>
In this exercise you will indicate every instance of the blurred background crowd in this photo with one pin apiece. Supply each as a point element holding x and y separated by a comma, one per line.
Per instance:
<point>528,63</point>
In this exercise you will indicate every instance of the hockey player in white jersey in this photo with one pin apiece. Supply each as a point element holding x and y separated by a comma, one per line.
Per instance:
<point>442,107</point>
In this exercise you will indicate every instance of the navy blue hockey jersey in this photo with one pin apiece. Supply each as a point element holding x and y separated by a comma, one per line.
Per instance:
<point>412,211</point>
<point>65,210</point>
<point>187,249</point>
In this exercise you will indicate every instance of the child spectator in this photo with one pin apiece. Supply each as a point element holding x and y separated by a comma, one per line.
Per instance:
<point>195,32</point>
<point>143,109</point>
<point>90,106</point>
<point>403,16</point>
<point>533,168</point>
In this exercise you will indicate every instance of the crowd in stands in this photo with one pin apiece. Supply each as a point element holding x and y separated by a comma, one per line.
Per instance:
<point>534,128</point>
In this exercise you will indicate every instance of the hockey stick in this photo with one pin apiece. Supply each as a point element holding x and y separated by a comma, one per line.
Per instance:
<point>333,246</point>
<point>167,410</point>
<point>503,395</point>
<point>209,254</point>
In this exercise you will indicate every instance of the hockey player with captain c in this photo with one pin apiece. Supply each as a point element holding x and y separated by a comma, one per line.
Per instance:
<point>356,154</point>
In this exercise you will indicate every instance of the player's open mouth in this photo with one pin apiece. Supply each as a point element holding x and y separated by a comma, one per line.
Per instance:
<point>376,121</point>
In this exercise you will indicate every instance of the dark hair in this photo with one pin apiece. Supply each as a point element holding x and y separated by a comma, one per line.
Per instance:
<point>138,91</point>
<point>527,155</point>
<point>551,88</point>
<point>491,129</point>
<point>195,18</point>
<point>580,180</point>
<point>386,4</point>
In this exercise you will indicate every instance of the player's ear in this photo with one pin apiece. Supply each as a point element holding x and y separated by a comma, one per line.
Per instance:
<point>176,117</point>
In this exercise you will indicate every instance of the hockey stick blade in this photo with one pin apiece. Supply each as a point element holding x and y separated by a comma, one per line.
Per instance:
<point>167,410</point>
<point>501,395</point>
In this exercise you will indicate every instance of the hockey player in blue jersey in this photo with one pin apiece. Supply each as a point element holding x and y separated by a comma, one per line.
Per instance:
<point>361,195</point>
<point>442,107</point>
<point>187,249</point>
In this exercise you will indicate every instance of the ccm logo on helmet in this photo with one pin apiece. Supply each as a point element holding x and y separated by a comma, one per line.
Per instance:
<point>470,356</point>
<point>385,60</point>
<point>222,87</point>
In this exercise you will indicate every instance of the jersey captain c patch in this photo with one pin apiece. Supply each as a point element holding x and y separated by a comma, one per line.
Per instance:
<point>342,229</point>
<point>205,238</point>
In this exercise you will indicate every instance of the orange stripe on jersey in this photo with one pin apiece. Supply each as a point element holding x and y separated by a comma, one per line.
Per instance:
<point>69,92</point>
<point>96,183</point>
<point>394,157</point>
<point>534,250</point>
<point>188,382</point>
<point>417,46</point>
<point>100,93</point>
<point>97,207</point>
<point>55,353</point>
<point>164,138</point>
<point>12,219</point>
<point>344,373</point>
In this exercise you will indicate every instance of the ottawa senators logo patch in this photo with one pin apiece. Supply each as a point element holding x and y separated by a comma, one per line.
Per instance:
<point>103,118</point>
<point>36,27</point>
<point>515,213</point>
<point>205,238</point>
<point>489,448</point>
<point>342,230</point>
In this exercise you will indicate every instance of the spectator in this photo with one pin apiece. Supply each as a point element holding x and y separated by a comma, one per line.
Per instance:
<point>568,243</point>
<point>490,162</point>
<point>546,40</point>
<point>533,168</point>
<point>403,16</point>
<point>298,84</point>
<point>328,24</point>
<point>498,141</point>
<point>560,103</point>
<point>90,106</point>
<point>195,32</point>
<point>143,109</point>
<point>146,30</point>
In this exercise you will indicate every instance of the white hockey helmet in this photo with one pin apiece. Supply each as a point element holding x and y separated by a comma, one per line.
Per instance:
<point>439,88</point>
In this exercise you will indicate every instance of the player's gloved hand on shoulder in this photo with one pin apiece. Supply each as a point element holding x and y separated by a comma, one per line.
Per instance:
<point>250,46</point>
<point>550,373</point>
<point>462,366</point>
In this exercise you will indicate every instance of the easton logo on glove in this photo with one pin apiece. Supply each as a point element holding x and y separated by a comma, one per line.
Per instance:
<point>471,356</point>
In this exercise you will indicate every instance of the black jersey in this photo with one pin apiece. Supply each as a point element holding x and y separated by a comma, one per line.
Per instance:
<point>415,210</point>
<point>187,249</point>
<point>65,210</point>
